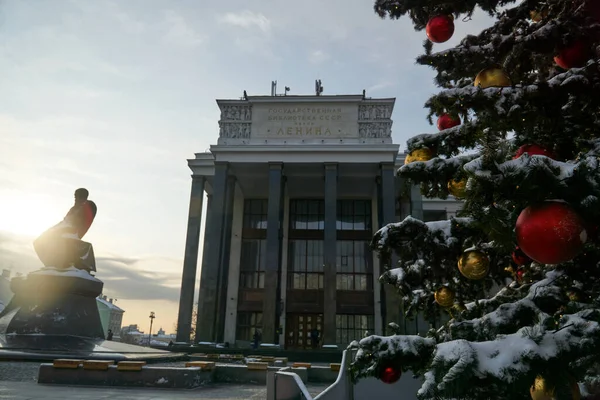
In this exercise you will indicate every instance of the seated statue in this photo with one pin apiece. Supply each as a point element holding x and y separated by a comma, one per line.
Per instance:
<point>61,246</point>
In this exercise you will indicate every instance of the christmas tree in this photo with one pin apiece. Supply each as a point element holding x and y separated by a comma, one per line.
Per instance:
<point>517,272</point>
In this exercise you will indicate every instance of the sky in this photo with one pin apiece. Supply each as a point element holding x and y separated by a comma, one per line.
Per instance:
<point>114,96</point>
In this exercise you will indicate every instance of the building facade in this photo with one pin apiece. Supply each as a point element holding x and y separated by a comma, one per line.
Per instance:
<point>295,188</point>
<point>111,316</point>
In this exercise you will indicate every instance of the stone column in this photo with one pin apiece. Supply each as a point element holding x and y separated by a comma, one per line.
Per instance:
<point>190,260</point>
<point>393,302</point>
<point>330,247</point>
<point>225,259</point>
<point>416,202</point>
<point>204,265</point>
<point>209,279</point>
<point>273,251</point>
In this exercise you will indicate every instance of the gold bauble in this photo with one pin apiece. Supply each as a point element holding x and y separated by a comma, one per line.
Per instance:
<point>492,77</point>
<point>537,16</point>
<point>474,265</point>
<point>541,391</point>
<point>457,188</point>
<point>575,295</point>
<point>444,296</point>
<point>423,154</point>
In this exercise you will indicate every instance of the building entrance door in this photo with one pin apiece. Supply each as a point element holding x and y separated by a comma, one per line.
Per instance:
<point>298,329</point>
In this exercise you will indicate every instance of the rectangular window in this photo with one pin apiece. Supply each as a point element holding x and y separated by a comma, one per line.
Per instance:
<point>354,215</point>
<point>305,269</point>
<point>434,215</point>
<point>252,263</point>
<point>349,327</point>
<point>255,214</point>
<point>354,265</point>
<point>307,215</point>
<point>247,324</point>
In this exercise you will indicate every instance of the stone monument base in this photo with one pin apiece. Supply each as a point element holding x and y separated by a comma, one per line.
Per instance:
<point>54,302</point>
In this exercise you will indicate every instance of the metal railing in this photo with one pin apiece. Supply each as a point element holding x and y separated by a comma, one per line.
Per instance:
<point>287,385</point>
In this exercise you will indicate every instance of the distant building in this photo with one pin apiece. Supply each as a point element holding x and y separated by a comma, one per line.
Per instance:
<point>5,293</point>
<point>295,187</point>
<point>111,316</point>
<point>161,339</point>
<point>132,335</point>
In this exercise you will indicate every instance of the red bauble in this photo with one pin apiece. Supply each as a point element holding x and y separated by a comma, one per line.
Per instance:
<point>440,28</point>
<point>533,150</point>
<point>574,56</point>
<point>520,274</point>
<point>519,257</point>
<point>550,233</point>
<point>447,121</point>
<point>390,375</point>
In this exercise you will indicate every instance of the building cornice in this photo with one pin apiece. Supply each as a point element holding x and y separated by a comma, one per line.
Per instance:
<point>306,148</point>
<point>306,99</point>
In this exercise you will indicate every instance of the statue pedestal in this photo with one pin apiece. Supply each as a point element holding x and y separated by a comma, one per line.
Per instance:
<point>54,302</point>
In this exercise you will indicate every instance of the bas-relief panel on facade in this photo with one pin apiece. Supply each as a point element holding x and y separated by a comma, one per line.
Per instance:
<point>235,122</point>
<point>374,111</point>
<point>306,120</point>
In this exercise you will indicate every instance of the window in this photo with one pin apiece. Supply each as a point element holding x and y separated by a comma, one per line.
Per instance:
<point>305,264</point>
<point>354,265</point>
<point>434,215</point>
<point>307,215</point>
<point>350,327</point>
<point>354,215</point>
<point>252,263</point>
<point>255,214</point>
<point>247,324</point>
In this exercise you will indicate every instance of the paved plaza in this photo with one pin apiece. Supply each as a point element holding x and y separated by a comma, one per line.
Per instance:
<point>18,381</point>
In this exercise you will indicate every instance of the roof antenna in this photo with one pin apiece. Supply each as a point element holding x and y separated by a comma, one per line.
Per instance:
<point>273,88</point>
<point>318,87</point>
<point>287,89</point>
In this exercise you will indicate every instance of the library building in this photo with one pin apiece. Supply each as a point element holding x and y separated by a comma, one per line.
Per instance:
<point>295,188</point>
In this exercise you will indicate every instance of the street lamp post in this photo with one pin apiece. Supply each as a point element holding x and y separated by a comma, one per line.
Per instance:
<point>152,316</point>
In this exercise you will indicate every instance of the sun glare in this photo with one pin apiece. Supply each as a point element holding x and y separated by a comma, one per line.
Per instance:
<point>27,215</point>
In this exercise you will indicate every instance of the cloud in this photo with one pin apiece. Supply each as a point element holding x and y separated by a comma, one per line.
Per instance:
<point>179,32</point>
<point>131,278</point>
<point>318,56</point>
<point>247,19</point>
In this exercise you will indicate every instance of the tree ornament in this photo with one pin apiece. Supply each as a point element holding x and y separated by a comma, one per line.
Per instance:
<point>522,276</point>
<point>423,154</point>
<point>474,265</point>
<point>537,16</point>
<point>575,294</point>
<point>551,232</point>
<point>492,77</point>
<point>447,121</point>
<point>444,296</point>
<point>390,374</point>
<point>541,390</point>
<point>440,28</point>
<point>457,188</point>
<point>519,257</point>
<point>533,150</point>
<point>574,56</point>
<point>511,271</point>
